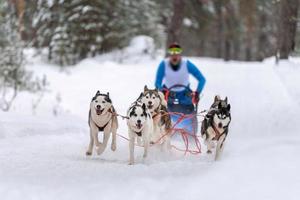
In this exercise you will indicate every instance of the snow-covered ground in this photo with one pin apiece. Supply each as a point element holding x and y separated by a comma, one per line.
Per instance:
<point>42,156</point>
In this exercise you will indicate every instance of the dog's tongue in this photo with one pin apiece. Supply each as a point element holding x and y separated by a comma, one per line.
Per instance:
<point>98,111</point>
<point>139,126</point>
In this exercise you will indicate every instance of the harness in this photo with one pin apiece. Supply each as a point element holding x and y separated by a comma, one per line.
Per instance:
<point>218,134</point>
<point>138,133</point>
<point>156,114</point>
<point>103,127</point>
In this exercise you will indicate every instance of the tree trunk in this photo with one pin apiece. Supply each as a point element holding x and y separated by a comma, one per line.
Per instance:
<point>230,30</point>
<point>287,27</point>
<point>247,10</point>
<point>176,22</point>
<point>20,8</point>
<point>218,5</point>
<point>262,42</point>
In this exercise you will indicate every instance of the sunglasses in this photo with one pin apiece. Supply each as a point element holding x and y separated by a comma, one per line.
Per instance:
<point>174,51</point>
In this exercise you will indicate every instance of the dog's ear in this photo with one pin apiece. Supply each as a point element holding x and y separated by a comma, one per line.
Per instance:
<point>228,107</point>
<point>226,100</point>
<point>141,95</point>
<point>107,94</point>
<point>217,98</point>
<point>145,88</point>
<point>97,93</point>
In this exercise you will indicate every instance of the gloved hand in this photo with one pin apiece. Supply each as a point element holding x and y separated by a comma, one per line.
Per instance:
<point>197,97</point>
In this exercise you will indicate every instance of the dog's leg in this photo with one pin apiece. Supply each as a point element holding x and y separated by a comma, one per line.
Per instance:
<point>166,146</point>
<point>114,135</point>
<point>139,141</point>
<point>220,146</point>
<point>91,145</point>
<point>131,149</point>
<point>106,136</point>
<point>209,144</point>
<point>209,140</point>
<point>168,140</point>
<point>94,132</point>
<point>146,145</point>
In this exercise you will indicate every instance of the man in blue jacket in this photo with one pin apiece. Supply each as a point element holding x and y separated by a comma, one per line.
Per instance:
<point>175,70</point>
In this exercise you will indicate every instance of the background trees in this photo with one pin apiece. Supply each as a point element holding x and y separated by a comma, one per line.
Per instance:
<point>229,29</point>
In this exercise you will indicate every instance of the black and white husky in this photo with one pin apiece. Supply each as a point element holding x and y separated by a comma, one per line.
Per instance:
<point>215,125</point>
<point>102,118</point>
<point>157,105</point>
<point>140,126</point>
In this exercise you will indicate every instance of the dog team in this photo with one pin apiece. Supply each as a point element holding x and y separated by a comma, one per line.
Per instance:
<point>149,123</point>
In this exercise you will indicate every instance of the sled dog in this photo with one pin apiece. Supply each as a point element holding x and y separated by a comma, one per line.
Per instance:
<point>140,126</point>
<point>157,105</point>
<point>102,118</point>
<point>215,125</point>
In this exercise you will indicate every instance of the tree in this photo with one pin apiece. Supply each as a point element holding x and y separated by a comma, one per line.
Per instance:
<point>287,27</point>
<point>74,30</point>
<point>174,28</point>
<point>13,76</point>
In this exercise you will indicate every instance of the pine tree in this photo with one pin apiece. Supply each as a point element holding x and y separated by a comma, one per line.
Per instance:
<point>13,76</point>
<point>74,30</point>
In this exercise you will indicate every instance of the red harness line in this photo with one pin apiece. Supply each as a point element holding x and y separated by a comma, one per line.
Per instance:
<point>184,134</point>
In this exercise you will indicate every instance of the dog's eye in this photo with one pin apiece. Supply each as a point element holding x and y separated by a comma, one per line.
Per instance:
<point>147,97</point>
<point>142,115</point>
<point>103,102</point>
<point>135,115</point>
<point>96,101</point>
<point>153,97</point>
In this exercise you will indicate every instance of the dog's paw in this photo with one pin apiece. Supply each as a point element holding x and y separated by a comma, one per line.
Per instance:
<point>113,147</point>
<point>88,153</point>
<point>209,152</point>
<point>100,150</point>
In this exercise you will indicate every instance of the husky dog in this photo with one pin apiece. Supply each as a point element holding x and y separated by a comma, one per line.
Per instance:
<point>140,126</point>
<point>157,105</point>
<point>102,118</point>
<point>215,125</point>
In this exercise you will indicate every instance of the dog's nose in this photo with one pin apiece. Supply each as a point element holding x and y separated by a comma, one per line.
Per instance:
<point>138,121</point>
<point>150,102</point>
<point>98,107</point>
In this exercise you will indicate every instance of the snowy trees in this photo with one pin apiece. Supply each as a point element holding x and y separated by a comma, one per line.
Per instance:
<point>73,30</point>
<point>228,29</point>
<point>13,76</point>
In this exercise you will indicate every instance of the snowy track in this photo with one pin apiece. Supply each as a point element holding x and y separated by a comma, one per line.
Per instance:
<point>43,157</point>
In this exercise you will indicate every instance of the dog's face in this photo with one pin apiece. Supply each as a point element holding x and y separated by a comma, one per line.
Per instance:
<point>222,116</point>
<point>101,103</point>
<point>151,99</point>
<point>137,116</point>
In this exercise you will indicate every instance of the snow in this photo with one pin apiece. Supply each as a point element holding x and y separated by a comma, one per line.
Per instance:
<point>42,156</point>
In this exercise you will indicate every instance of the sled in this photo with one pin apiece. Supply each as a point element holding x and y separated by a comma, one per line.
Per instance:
<point>183,112</point>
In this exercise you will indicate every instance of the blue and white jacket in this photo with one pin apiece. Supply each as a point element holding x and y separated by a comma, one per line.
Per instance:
<point>167,76</point>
